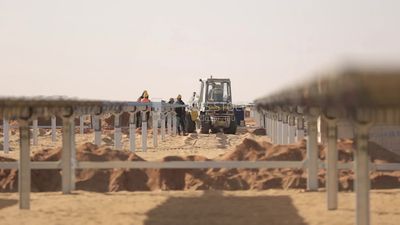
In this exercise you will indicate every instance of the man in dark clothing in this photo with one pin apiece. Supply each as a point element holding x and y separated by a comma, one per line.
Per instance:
<point>180,115</point>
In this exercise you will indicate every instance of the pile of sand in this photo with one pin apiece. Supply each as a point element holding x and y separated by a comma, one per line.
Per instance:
<point>200,179</point>
<point>260,131</point>
<point>8,177</point>
<point>123,119</point>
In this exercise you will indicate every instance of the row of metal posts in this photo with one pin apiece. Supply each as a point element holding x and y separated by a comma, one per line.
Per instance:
<point>278,124</point>
<point>68,155</point>
<point>282,129</point>
<point>156,116</point>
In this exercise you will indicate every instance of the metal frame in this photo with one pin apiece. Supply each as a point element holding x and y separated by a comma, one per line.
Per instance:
<point>26,110</point>
<point>363,96</point>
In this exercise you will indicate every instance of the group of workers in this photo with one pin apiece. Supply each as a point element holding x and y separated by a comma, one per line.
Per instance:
<point>180,112</point>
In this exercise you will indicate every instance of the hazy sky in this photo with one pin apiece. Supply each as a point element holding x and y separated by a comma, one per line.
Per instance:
<point>115,49</point>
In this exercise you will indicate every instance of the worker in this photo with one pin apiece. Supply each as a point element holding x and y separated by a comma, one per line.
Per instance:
<point>217,93</point>
<point>144,98</point>
<point>180,115</point>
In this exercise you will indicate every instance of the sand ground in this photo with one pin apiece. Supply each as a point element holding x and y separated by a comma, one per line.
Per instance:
<point>196,207</point>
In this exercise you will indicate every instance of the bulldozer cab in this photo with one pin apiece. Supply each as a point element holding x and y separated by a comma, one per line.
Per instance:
<point>218,91</point>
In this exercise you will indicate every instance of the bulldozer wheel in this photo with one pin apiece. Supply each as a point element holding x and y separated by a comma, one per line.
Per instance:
<point>205,127</point>
<point>232,128</point>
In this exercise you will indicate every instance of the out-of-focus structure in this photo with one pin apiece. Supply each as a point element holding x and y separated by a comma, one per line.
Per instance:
<point>30,110</point>
<point>362,98</point>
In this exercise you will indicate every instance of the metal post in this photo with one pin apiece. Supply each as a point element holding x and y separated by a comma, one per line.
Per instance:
<point>35,131</point>
<point>285,129</point>
<point>300,129</point>
<point>144,131</point>
<point>81,124</point>
<point>279,129</point>
<point>53,129</point>
<point>275,130</point>
<point>260,124</point>
<point>132,131</point>
<point>6,137</point>
<point>264,125</point>
<point>300,134</point>
<point>24,172</point>
<point>292,129</point>
<point>278,133</point>
<point>362,182</point>
<point>174,124</point>
<point>332,169</point>
<point>73,156</point>
<point>312,153</point>
<point>169,123</point>
<point>66,155</point>
<point>257,117</point>
<point>117,132</point>
<point>270,129</point>
<point>97,130</point>
<point>162,126</point>
<point>155,115</point>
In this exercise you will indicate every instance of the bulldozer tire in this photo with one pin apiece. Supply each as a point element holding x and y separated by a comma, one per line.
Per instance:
<point>214,130</point>
<point>205,127</point>
<point>232,128</point>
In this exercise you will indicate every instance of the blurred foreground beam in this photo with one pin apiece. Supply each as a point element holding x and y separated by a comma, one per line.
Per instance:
<point>53,128</point>
<point>6,136</point>
<point>66,155</point>
<point>24,173</point>
<point>332,168</point>
<point>312,150</point>
<point>363,183</point>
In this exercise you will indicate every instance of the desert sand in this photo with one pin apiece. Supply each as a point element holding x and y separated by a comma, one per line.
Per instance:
<point>196,207</point>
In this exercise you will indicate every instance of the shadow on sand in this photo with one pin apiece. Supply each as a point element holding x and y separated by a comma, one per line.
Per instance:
<point>213,208</point>
<point>4,203</point>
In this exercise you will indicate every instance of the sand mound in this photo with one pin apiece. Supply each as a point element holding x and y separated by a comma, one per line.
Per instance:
<point>248,150</point>
<point>8,177</point>
<point>198,179</point>
<point>259,131</point>
<point>124,120</point>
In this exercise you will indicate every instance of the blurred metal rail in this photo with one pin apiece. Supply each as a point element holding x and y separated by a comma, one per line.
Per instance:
<point>360,95</point>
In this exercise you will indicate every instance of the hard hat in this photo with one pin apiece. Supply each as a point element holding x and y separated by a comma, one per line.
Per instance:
<point>179,97</point>
<point>145,94</point>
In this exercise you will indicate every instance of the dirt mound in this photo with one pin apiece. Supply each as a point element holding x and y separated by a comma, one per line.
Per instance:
<point>251,150</point>
<point>46,121</point>
<point>8,177</point>
<point>259,131</point>
<point>198,179</point>
<point>124,120</point>
<point>248,150</point>
<point>108,180</point>
<point>88,179</point>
